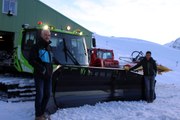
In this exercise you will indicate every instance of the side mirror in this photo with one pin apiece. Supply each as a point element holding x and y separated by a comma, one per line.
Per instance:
<point>94,42</point>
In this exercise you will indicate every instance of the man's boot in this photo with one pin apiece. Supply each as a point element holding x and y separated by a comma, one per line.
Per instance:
<point>40,118</point>
<point>46,116</point>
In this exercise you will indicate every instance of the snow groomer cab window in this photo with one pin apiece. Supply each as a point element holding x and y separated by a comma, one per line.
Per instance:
<point>29,38</point>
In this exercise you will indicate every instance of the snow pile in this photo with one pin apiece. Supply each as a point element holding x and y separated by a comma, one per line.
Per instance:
<point>165,107</point>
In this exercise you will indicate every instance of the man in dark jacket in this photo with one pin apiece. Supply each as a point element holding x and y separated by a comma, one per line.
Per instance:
<point>40,58</point>
<point>149,70</point>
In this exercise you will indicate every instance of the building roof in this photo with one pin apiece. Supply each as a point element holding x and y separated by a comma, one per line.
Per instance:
<point>62,14</point>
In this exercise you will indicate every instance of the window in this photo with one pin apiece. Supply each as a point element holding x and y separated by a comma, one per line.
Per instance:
<point>70,49</point>
<point>107,55</point>
<point>29,40</point>
<point>55,39</point>
<point>9,7</point>
<point>104,55</point>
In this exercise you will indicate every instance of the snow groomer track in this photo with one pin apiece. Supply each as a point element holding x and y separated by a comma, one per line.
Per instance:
<point>16,89</point>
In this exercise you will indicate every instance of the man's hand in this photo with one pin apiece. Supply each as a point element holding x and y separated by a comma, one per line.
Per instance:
<point>44,71</point>
<point>41,69</point>
<point>126,68</point>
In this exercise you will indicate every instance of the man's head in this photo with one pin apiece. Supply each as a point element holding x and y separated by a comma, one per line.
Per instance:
<point>148,55</point>
<point>46,35</point>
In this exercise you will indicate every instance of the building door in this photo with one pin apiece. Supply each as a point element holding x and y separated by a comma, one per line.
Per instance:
<point>6,41</point>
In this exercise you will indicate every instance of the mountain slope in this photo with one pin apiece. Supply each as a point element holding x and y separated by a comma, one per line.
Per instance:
<point>170,44</point>
<point>125,46</point>
<point>174,44</point>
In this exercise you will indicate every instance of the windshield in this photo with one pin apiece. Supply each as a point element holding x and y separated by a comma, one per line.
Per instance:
<point>69,49</point>
<point>104,54</point>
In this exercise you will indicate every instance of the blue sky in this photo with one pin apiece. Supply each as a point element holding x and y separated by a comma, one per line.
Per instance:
<point>153,20</point>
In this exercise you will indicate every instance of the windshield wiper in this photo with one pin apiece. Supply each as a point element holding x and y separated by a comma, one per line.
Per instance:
<point>69,54</point>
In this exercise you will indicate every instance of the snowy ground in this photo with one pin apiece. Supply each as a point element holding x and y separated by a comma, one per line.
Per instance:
<point>165,107</point>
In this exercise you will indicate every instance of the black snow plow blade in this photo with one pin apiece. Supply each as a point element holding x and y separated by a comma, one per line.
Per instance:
<point>76,86</point>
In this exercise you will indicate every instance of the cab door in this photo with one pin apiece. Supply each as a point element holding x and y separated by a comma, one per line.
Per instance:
<point>29,39</point>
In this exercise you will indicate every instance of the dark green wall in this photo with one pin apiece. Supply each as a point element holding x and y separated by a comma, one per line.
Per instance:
<point>32,11</point>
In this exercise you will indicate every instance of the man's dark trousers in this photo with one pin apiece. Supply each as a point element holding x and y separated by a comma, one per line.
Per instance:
<point>149,87</point>
<point>43,91</point>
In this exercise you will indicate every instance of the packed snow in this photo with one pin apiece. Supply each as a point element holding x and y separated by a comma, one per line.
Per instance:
<point>165,107</point>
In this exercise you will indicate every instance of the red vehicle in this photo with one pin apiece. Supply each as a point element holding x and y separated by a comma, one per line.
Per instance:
<point>103,58</point>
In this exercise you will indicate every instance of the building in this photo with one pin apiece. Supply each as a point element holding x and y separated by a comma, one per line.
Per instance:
<point>17,12</point>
